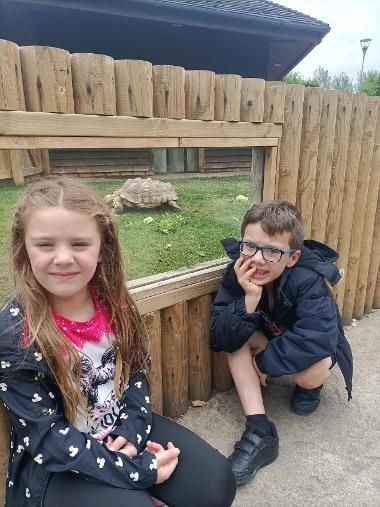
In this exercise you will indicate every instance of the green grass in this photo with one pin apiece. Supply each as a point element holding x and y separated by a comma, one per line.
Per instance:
<point>209,212</point>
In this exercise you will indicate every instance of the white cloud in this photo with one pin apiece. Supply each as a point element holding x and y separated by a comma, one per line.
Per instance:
<point>350,21</point>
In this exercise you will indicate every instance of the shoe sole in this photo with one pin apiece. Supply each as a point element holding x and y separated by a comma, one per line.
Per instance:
<point>250,477</point>
<point>300,411</point>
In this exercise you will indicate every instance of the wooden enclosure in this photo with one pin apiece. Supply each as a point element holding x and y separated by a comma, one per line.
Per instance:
<point>317,149</point>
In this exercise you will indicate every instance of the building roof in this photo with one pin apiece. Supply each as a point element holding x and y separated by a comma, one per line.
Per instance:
<point>256,8</point>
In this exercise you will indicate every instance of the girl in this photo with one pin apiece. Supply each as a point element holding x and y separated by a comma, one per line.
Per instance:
<point>72,371</point>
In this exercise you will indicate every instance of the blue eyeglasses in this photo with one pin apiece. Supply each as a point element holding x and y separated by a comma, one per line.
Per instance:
<point>269,253</point>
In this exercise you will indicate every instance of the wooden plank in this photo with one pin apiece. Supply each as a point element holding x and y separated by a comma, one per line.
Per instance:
<point>350,181</point>
<point>220,142</point>
<point>257,173</point>
<point>198,330</point>
<point>227,97</point>
<point>159,301</point>
<point>11,88</point>
<point>360,207</point>
<point>152,324</point>
<point>308,155</point>
<point>324,164</point>
<point>270,174</point>
<point>169,91</point>
<point>370,204</point>
<point>30,142</point>
<point>5,432</point>
<point>221,375</point>
<point>199,94</point>
<point>19,123</point>
<point>46,73</point>
<point>252,99</point>
<point>291,144</point>
<point>169,276</point>
<point>338,170</point>
<point>93,84</point>
<point>274,101</point>
<point>175,360</point>
<point>134,88</point>
<point>163,286</point>
<point>201,160</point>
<point>176,160</point>
<point>376,297</point>
<point>192,160</point>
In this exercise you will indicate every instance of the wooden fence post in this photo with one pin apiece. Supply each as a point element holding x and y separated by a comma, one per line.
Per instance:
<point>324,164</point>
<point>290,143</point>
<point>308,155</point>
<point>274,102</point>
<point>227,97</point>
<point>221,375</point>
<point>372,106</point>
<point>375,254</point>
<point>93,83</point>
<point>134,88</point>
<point>350,181</point>
<point>168,91</point>
<point>368,229</point>
<point>11,99</point>
<point>198,317</point>
<point>152,322</point>
<point>338,170</point>
<point>4,451</point>
<point>175,360</point>
<point>200,94</point>
<point>252,99</point>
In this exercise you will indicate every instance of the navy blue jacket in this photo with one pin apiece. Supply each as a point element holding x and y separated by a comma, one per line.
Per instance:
<point>44,441</point>
<point>307,317</point>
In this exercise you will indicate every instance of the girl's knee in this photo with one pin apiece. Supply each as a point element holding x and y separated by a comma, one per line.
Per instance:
<point>223,490</point>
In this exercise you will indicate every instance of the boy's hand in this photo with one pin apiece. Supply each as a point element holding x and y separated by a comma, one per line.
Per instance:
<point>262,376</point>
<point>244,273</point>
<point>167,460</point>
<point>121,444</point>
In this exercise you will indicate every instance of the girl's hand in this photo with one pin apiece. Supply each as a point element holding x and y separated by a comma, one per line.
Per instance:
<point>154,447</point>
<point>244,272</point>
<point>166,462</point>
<point>121,444</point>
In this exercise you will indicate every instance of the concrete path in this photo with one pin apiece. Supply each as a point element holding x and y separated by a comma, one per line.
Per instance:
<point>331,458</point>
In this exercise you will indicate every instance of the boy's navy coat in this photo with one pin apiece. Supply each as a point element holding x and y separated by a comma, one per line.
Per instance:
<point>303,305</point>
<point>44,441</point>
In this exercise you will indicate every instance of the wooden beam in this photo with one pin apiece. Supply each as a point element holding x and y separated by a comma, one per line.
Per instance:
<point>21,123</point>
<point>223,142</point>
<point>32,142</point>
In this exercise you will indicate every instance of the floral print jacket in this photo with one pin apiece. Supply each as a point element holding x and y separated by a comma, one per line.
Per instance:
<point>43,441</point>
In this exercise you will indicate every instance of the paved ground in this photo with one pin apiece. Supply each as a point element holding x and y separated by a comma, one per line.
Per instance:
<point>331,458</point>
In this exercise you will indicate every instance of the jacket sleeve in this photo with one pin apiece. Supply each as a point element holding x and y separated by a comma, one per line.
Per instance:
<point>57,445</point>
<point>312,337</point>
<point>135,419</point>
<point>231,325</point>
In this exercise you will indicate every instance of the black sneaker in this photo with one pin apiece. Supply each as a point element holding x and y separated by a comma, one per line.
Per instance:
<point>254,450</point>
<point>305,401</point>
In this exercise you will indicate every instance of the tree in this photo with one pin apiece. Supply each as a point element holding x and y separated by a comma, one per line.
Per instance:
<point>297,78</point>
<point>369,83</point>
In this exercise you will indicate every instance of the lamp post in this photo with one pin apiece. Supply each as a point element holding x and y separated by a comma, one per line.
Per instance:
<point>364,44</point>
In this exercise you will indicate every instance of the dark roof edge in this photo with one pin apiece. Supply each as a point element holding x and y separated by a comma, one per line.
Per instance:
<point>195,16</point>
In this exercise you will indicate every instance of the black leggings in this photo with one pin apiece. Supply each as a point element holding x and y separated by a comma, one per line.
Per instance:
<point>202,478</point>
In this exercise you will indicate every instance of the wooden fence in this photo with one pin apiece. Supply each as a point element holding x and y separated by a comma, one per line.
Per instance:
<point>317,149</point>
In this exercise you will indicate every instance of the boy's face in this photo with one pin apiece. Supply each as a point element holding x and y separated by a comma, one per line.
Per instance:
<point>266,272</point>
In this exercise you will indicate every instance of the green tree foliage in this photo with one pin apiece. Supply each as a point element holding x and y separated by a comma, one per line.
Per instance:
<point>369,83</point>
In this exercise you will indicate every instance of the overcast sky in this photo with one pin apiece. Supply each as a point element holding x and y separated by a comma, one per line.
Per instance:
<point>350,21</point>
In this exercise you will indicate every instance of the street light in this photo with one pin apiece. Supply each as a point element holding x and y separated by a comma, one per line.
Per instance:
<point>364,44</point>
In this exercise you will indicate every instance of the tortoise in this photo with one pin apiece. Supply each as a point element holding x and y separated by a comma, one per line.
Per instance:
<point>143,193</point>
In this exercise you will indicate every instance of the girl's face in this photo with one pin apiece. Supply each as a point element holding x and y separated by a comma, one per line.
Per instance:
<point>64,249</point>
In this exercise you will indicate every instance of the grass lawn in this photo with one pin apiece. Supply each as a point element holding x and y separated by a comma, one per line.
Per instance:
<point>171,240</point>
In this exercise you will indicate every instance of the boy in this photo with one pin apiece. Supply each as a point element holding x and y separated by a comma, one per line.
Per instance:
<point>274,315</point>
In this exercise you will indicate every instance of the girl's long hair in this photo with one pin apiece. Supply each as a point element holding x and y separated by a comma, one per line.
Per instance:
<point>108,280</point>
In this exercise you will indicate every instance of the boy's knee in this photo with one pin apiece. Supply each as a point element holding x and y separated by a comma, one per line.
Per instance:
<point>314,376</point>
